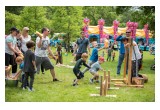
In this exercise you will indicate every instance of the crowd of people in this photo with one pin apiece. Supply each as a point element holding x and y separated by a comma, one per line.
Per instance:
<point>35,56</point>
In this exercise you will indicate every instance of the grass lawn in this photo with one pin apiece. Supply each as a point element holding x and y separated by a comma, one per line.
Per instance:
<point>48,91</point>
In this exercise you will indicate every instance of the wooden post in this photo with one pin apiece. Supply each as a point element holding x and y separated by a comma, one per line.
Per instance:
<point>105,85</point>
<point>109,79</point>
<point>101,79</point>
<point>130,61</point>
<point>125,62</point>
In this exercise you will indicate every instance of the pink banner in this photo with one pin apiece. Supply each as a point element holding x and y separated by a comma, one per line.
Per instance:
<point>115,28</point>
<point>85,28</point>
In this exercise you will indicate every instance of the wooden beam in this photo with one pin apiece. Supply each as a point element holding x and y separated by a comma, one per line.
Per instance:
<point>130,61</point>
<point>109,79</point>
<point>101,78</point>
<point>125,62</point>
<point>117,79</point>
<point>124,85</point>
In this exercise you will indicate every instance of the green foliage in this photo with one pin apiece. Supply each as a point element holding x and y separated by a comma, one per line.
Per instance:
<point>142,15</point>
<point>11,20</point>
<point>34,18</point>
<point>14,9</point>
<point>69,19</point>
<point>94,13</point>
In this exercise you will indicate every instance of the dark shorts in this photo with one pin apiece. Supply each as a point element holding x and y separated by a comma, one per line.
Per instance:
<point>78,74</point>
<point>78,56</point>
<point>9,59</point>
<point>45,62</point>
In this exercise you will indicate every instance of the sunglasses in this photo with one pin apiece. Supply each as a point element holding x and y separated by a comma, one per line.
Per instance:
<point>128,32</point>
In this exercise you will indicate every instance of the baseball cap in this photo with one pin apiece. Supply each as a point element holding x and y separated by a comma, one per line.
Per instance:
<point>13,29</point>
<point>101,58</point>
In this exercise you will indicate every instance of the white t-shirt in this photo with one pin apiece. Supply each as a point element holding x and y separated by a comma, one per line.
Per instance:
<point>10,39</point>
<point>24,41</point>
<point>42,51</point>
<point>137,52</point>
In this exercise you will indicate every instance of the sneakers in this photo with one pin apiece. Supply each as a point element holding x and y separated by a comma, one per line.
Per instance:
<point>43,73</point>
<point>55,80</point>
<point>75,84</point>
<point>31,90</point>
<point>24,88</point>
<point>91,80</point>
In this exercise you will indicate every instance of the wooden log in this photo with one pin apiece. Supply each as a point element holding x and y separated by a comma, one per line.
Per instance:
<point>109,79</point>
<point>101,78</point>
<point>137,81</point>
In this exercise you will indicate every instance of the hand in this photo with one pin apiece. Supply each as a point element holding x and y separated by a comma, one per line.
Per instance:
<point>127,45</point>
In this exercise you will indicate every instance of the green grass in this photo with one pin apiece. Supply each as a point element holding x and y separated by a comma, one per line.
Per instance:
<point>48,91</point>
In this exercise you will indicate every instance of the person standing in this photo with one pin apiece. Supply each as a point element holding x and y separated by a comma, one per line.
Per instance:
<point>42,45</point>
<point>24,39</point>
<point>29,65</point>
<point>11,48</point>
<point>122,51</point>
<point>82,44</point>
<point>109,53</point>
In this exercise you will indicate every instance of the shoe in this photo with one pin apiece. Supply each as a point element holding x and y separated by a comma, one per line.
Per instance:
<point>55,80</point>
<point>97,81</point>
<point>24,88</point>
<point>43,73</point>
<point>75,84</point>
<point>31,90</point>
<point>91,80</point>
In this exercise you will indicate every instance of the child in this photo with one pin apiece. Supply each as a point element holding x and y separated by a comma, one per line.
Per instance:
<point>136,56</point>
<point>109,53</point>
<point>102,55</point>
<point>29,65</point>
<point>113,55</point>
<point>94,56</point>
<point>95,68</point>
<point>77,67</point>
<point>59,52</point>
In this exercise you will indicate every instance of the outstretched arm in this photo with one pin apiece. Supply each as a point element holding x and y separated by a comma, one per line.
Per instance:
<point>84,63</point>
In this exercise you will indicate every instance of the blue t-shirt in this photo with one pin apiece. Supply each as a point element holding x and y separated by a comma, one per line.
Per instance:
<point>122,49</point>
<point>21,66</point>
<point>94,56</point>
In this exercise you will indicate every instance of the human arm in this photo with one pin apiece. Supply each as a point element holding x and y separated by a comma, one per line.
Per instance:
<point>101,48</point>
<point>17,51</point>
<point>84,63</point>
<point>119,38</point>
<point>39,42</point>
<point>50,52</point>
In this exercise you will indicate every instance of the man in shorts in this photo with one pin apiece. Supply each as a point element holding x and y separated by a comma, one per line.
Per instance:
<point>42,45</point>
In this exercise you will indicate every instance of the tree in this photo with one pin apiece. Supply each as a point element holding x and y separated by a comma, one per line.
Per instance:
<point>68,19</point>
<point>11,20</point>
<point>94,13</point>
<point>14,9</point>
<point>34,17</point>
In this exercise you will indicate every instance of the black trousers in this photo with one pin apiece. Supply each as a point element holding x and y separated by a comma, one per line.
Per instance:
<point>26,79</point>
<point>10,60</point>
